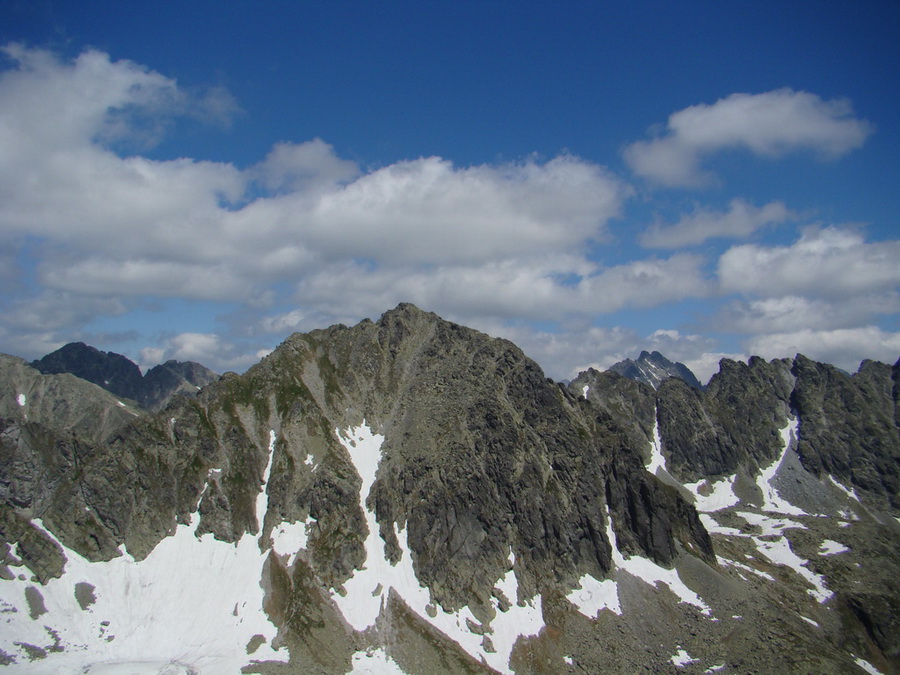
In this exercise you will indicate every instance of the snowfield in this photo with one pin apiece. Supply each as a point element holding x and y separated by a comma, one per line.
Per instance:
<point>193,605</point>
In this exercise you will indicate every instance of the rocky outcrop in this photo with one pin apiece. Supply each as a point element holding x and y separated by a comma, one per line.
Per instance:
<point>628,403</point>
<point>849,426</point>
<point>171,378</point>
<point>735,423</point>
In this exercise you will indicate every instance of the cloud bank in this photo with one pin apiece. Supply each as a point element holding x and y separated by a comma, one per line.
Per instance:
<point>93,229</point>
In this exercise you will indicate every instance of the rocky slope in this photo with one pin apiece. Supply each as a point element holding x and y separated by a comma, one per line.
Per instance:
<point>410,495</point>
<point>122,377</point>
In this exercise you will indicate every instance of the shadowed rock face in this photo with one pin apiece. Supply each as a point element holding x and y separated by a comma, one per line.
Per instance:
<point>849,426</point>
<point>122,377</point>
<point>484,461</point>
<point>734,423</point>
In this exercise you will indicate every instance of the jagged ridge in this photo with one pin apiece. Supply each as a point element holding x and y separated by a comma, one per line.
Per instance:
<point>488,472</point>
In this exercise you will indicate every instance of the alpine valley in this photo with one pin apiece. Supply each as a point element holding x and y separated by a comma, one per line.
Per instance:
<point>413,496</point>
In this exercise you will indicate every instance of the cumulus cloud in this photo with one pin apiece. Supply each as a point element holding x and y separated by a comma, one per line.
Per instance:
<point>788,313</point>
<point>740,220</point>
<point>302,166</point>
<point>564,354</point>
<point>429,211</point>
<point>844,347</point>
<point>548,287</point>
<point>820,296</point>
<point>106,225</point>
<point>303,238</point>
<point>210,349</point>
<point>830,262</point>
<point>769,125</point>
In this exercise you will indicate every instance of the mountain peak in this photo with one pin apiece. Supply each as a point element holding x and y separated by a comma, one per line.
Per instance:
<point>122,377</point>
<point>652,368</point>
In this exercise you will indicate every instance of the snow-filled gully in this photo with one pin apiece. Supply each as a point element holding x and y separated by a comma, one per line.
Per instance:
<point>367,590</point>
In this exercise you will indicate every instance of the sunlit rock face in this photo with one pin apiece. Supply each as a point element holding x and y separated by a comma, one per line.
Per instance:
<point>413,496</point>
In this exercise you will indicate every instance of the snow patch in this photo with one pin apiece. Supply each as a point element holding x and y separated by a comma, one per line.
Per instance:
<point>720,494</point>
<point>681,658</point>
<point>651,573</point>
<point>22,400</point>
<point>569,660</point>
<point>364,593</point>
<point>777,549</point>
<point>192,605</point>
<point>713,527</point>
<point>290,538</point>
<point>594,596</point>
<point>746,568</point>
<point>657,460</point>
<point>850,493</point>
<point>584,390</point>
<point>809,621</point>
<point>866,666</point>
<point>830,547</point>
<point>772,501</point>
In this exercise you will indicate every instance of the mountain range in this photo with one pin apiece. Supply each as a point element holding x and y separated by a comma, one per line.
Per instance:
<point>119,375</point>
<point>408,495</point>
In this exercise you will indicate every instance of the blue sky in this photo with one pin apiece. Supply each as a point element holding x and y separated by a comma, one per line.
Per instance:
<point>198,180</point>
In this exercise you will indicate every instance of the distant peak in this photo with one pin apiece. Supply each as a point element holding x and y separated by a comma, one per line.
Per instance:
<point>652,368</point>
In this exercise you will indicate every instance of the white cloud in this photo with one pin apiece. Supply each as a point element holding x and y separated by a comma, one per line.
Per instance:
<point>286,322</point>
<point>819,296</point>
<point>769,124</point>
<point>429,211</point>
<point>100,229</point>
<point>539,287</point>
<point>210,349</point>
<point>104,225</point>
<point>52,310</point>
<point>829,262</point>
<point>843,347</point>
<point>741,220</point>
<point>790,312</point>
<point>303,166</point>
<point>574,349</point>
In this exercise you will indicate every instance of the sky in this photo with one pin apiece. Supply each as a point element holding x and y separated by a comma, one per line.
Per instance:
<point>199,180</point>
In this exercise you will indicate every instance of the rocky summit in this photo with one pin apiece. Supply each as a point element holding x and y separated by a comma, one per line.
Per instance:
<point>122,377</point>
<point>413,496</point>
<point>653,368</point>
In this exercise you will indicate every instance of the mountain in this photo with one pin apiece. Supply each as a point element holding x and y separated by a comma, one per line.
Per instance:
<point>410,495</point>
<point>119,375</point>
<point>653,368</point>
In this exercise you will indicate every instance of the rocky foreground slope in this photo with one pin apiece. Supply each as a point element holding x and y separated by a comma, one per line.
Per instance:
<point>410,495</point>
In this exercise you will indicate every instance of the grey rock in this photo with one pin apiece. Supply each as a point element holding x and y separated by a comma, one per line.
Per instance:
<point>120,376</point>
<point>653,368</point>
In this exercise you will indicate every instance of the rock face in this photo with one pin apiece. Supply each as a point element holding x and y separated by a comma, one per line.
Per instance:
<point>122,377</point>
<point>653,368</point>
<point>412,495</point>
